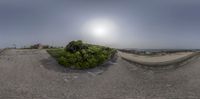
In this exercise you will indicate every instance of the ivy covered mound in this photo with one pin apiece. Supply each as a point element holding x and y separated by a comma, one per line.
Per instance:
<point>81,55</point>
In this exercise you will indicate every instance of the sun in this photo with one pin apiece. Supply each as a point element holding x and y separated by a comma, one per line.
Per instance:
<point>100,28</point>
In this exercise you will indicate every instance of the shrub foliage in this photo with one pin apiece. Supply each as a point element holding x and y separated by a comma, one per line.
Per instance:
<point>81,55</point>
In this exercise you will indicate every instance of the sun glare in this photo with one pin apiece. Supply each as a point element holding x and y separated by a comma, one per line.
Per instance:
<point>101,28</point>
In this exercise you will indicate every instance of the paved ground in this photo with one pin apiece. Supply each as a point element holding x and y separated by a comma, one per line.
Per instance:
<point>33,74</point>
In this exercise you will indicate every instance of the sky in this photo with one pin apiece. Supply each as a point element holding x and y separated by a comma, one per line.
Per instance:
<point>144,24</point>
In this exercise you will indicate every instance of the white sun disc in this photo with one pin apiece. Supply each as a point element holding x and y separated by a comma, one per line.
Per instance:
<point>101,27</point>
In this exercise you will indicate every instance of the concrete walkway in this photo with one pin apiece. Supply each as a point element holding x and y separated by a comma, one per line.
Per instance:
<point>33,74</point>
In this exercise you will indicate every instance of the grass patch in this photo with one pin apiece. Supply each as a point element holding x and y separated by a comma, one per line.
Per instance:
<point>81,55</point>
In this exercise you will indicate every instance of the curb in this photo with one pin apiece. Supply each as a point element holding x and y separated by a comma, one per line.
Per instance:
<point>1,51</point>
<point>164,64</point>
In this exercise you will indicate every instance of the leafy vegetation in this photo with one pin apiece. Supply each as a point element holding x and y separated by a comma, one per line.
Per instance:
<point>81,55</point>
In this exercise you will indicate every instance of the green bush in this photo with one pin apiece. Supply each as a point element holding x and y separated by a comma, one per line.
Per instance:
<point>62,61</point>
<point>74,46</point>
<point>81,55</point>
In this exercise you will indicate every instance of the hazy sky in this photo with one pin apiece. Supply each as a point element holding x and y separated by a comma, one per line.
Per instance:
<point>138,23</point>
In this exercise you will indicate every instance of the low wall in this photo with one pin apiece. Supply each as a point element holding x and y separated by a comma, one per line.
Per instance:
<point>2,50</point>
<point>166,63</point>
